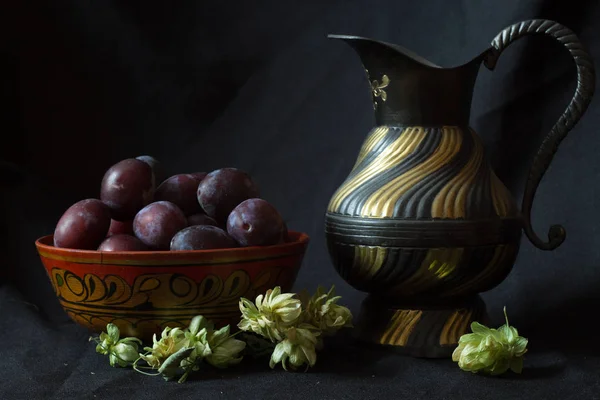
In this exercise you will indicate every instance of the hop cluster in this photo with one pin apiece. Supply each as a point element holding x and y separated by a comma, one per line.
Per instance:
<point>178,352</point>
<point>295,325</point>
<point>491,351</point>
<point>183,350</point>
<point>292,326</point>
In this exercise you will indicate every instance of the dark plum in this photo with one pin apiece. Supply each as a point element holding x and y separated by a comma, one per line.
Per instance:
<point>121,242</point>
<point>83,226</point>
<point>202,237</point>
<point>222,190</point>
<point>201,219</point>
<point>126,187</point>
<point>156,166</point>
<point>120,227</point>
<point>199,175</point>
<point>255,222</point>
<point>180,190</point>
<point>157,223</point>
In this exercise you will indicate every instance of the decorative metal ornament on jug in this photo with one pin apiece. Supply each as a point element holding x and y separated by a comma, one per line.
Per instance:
<point>422,223</point>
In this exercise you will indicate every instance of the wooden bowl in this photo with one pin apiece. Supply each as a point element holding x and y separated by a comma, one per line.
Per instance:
<point>143,292</point>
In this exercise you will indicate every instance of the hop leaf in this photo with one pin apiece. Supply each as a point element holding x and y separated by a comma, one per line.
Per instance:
<point>170,366</point>
<point>271,315</point>
<point>198,323</point>
<point>491,351</point>
<point>113,333</point>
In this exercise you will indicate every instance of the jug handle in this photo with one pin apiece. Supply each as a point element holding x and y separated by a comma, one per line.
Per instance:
<point>566,122</point>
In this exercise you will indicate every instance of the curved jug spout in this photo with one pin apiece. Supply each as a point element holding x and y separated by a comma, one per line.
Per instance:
<point>409,90</point>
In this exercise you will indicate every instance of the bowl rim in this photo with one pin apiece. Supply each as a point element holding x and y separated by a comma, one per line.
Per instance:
<point>297,245</point>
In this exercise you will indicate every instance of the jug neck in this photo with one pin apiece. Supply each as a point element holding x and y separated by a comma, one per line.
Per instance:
<point>408,90</point>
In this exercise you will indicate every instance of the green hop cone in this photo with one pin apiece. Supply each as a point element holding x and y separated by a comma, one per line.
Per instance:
<point>121,352</point>
<point>108,339</point>
<point>225,350</point>
<point>297,349</point>
<point>124,353</point>
<point>172,341</point>
<point>491,351</point>
<point>197,337</point>
<point>271,314</point>
<point>322,311</point>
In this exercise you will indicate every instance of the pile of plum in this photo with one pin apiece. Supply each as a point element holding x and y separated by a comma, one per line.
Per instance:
<point>220,209</point>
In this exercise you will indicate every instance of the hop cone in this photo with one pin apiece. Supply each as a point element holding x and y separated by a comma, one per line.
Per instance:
<point>491,351</point>
<point>271,314</point>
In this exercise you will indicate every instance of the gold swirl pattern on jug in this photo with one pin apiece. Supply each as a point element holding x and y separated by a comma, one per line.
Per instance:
<point>422,331</point>
<point>501,197</point>
<point>492,273</point>
<point>370,143</point>
<point>450,202</point>
<point>438,265</point>
<point>456,325</point>
<point>398,145</point>
<point>422,173</point>
<point>368,260</point>
<point>439,272</point>
<point>383,201</point>
<point>401,325</point>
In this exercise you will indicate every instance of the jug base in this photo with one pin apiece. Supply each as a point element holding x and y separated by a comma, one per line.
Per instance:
<point>426,330</point>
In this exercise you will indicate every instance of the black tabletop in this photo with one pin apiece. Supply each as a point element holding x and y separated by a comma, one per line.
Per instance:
<point>55,360</point>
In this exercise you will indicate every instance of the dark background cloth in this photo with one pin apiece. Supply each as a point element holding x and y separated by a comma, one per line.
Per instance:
<point>257,85</point>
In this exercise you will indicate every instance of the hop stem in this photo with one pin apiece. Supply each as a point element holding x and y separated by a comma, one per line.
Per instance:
<point>137,368</point>
<point>186,373</point>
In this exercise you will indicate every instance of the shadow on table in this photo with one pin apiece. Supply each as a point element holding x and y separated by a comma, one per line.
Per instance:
<point>357,360</point>
<point>354,362</point>
<point>567,326</point>
<point>248,366</point>
<point>559,330</point>
<point>341,356</point>
<point>345,356</point>
<point>537,366</point>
